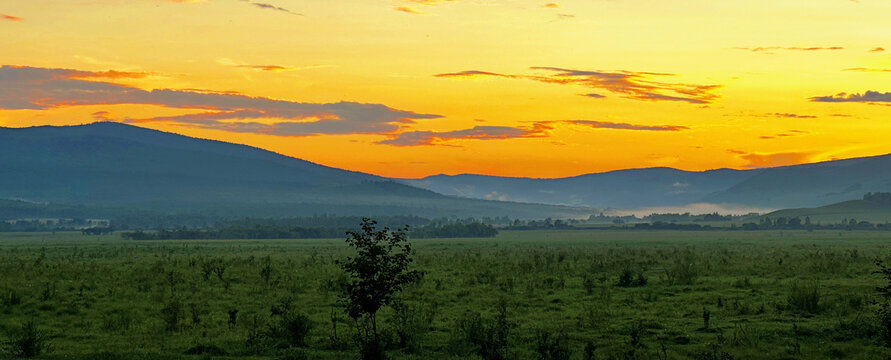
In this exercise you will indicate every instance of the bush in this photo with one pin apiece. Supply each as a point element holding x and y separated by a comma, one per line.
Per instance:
<point>486,338</point>
<point>552,347</point>
<point>31,342</point>
<point>804,298</point>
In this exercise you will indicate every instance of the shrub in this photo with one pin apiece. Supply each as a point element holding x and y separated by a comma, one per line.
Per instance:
<point>552,347</point>
<point>172,313</point>
<point>486,338</point>
<point>804,298</point>
<point>30,342</point>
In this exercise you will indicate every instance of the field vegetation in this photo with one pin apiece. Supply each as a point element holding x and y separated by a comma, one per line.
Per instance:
<point>541,294</point>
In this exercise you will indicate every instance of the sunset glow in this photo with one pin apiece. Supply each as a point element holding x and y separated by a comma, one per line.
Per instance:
<point>410,88</point>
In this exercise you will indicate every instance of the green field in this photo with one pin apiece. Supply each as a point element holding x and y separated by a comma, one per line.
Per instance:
<point>769,295</point>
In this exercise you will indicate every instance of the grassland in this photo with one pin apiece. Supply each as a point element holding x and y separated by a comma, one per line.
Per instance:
<point>768,295</point>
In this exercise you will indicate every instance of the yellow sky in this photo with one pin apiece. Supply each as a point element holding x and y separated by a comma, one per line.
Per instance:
<point>410,88</point>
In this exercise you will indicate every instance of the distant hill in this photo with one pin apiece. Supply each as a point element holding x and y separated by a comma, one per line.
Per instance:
<point>875,209</point>
<point>810,185</point>
<point>111,167</point>
<point>621,189</point>
<point>772,188</point>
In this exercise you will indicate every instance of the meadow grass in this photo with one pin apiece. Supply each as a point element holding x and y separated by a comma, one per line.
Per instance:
<point>523,294</point>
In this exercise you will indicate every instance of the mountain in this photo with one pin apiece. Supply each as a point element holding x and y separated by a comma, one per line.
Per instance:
<point>795,186</point>
<point>622,189</point>
<point>810,185</point>
<point>112,167</point>
<point>875,209</point>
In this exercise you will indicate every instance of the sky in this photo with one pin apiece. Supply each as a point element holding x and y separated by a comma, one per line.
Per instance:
<point>411,88</point>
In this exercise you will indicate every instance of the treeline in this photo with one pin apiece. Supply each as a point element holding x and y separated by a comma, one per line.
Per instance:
<point>260,232</point>
<point>455,230</point>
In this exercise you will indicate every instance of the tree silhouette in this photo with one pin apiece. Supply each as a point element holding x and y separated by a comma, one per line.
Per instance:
<point>377,272</point>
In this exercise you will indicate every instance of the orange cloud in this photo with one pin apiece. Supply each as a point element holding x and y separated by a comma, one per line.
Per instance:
<point>767,49</point>
<point>860,69</point>
<point>10,17</point>
<point>551,6</point>
<point>755,160</point>
<point>408,9</point>
<point>877,49</point>
<point>633,85</point>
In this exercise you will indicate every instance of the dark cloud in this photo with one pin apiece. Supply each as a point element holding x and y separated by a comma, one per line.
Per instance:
<point>868,97</point>
<point>10,17</point>
<point>270,7</point>
<point>593,95</point>
<point>538,129</point>
<point>633,85</point>
<point>626,126</point>
<point>794,116</point>
<point>414,138</point>
<point>769,49</point>
<point>41,88</point>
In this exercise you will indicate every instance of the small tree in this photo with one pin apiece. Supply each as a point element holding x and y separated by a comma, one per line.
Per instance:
<point>377,272</point>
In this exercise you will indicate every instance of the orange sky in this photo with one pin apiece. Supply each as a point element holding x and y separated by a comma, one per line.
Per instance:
<point>409,88</point>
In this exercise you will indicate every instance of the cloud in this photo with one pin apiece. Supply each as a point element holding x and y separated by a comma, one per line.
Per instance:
<point>756,160</point>
<point>868,97</point>
<point>793,116</point>
<point>428,2</point>
<point>860,69</point>
<point>42,88</point>
<point>280,68</point>
<point>769,49</point>
<point>408,9</point>
<point>785,134</point>
<point>414,138</point>
<point>271,7</point>
<point>877,49</point>
<point>630,84</point>
<point>626,126</point>
<point>593,95</point>
<point>10,17</point>
<point>551,6</point>
<point>538,129</point>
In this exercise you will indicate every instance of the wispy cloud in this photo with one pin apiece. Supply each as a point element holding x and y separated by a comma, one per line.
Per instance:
<point>268,67</point>
<point>415,138</point>
<point>867,97</point>
<point>42,88</point>
<point>785,134</point>
<point>408,9</point>
<point>792,116</point>
<point>271,7</point>
<point>630,84</point>
<point>551,6</point>
<point>537,129</point>
<point>10,17</point>
<point>428,2</point>
<point>877,49</point>
<point>770,49</point>
<point>625,126</point>
<point>861,69</point>
<point>761,160</point>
